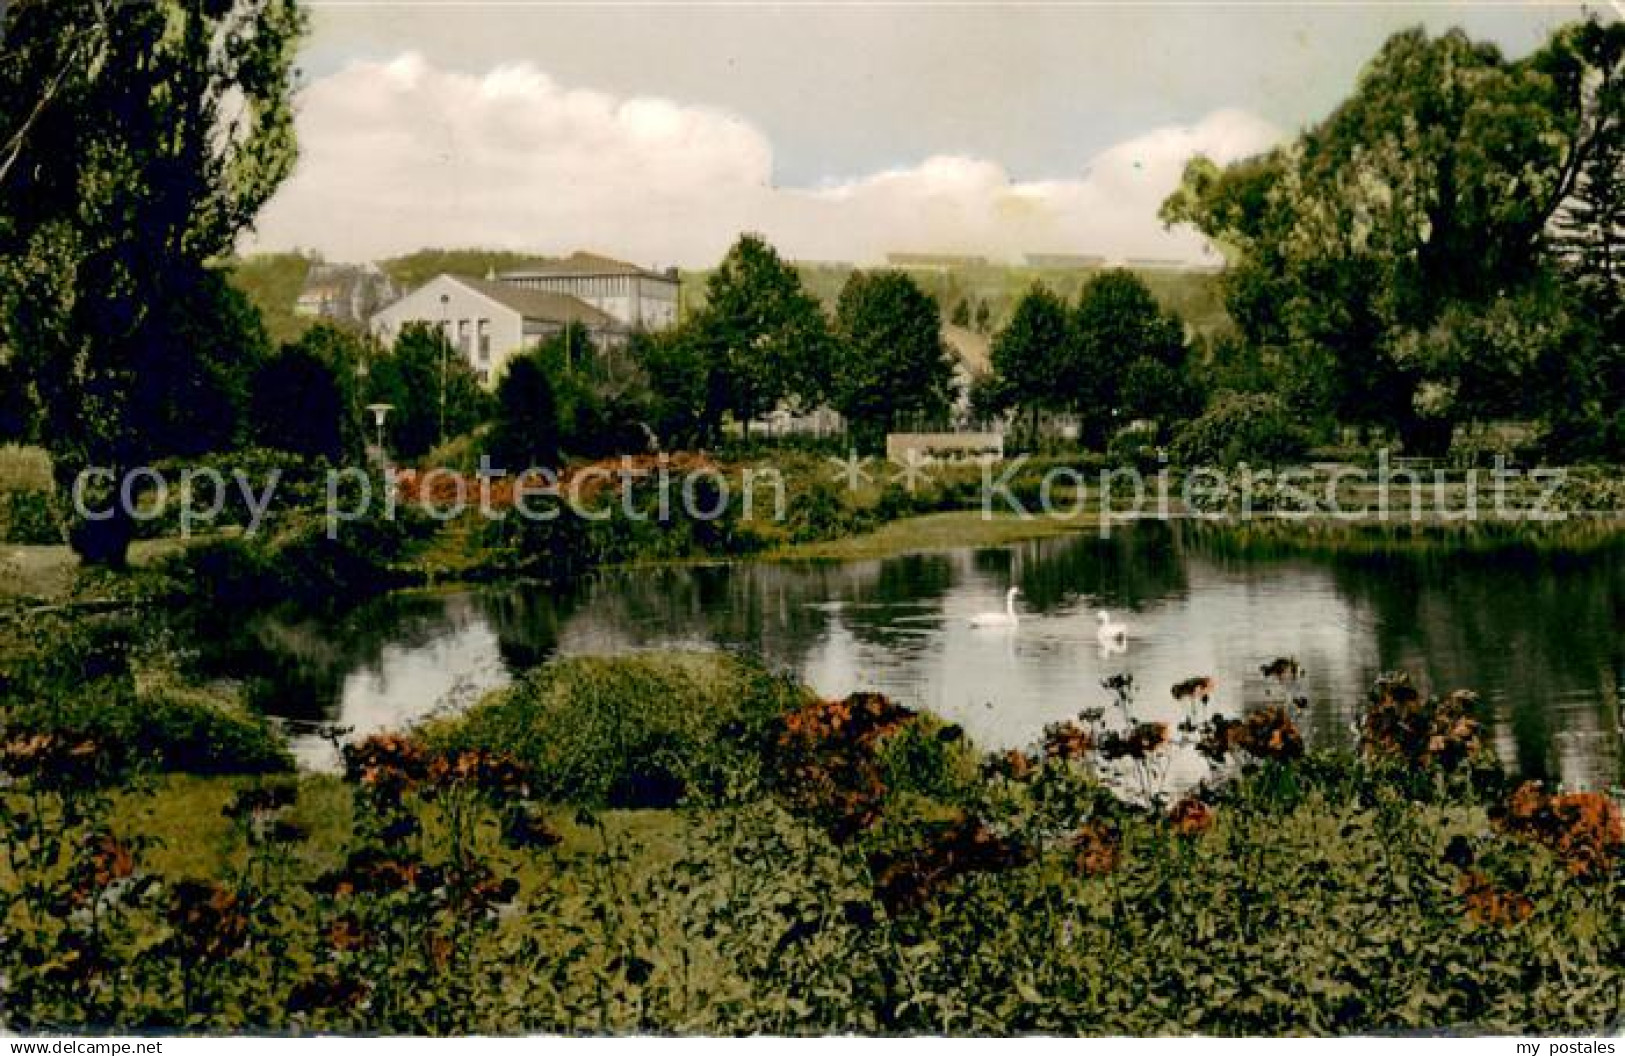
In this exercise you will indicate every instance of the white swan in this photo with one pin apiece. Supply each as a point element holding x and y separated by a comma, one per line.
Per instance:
<point>1110,633</point>
<point>1007,618</point>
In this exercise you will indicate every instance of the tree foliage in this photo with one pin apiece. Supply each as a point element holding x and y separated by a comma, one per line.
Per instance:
<point>1425,200</point>
<point>526,432</point>
<point>137,141</point>
<point>760,338</point>
<point>1129,357</point>
<point>889,361</point>
<point>433,390</point>
<point>306,398</point>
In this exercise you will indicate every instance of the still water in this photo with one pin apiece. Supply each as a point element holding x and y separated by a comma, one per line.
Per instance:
<point>1542,642</point>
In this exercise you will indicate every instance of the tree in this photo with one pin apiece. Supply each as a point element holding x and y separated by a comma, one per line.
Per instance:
<point>1030,354</point>
<point>1426,199</point>
<point>306,399</point>
<point>137,141</point>
<point>527,422</point>
<point>412,377</point>
<point>761,336</point>
<point>1129,359</point>
<point>889,361</point>
<point>674,362</point>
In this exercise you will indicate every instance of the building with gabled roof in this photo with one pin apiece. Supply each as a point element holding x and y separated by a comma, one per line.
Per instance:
<point>639,298</point>
<point>490,322</point>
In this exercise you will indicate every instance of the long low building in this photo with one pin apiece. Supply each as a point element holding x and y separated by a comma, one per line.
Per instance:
<point>490,322</point>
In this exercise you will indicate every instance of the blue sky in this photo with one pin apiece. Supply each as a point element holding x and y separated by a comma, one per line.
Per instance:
<point>1001,115</point>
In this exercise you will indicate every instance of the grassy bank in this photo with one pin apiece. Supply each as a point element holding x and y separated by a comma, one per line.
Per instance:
<point>859,870</point>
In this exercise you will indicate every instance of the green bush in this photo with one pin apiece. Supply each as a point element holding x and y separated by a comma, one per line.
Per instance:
<point>159,719</point>
<point>26,519</point>
<point>1241,427</point>
<point>645,729</point>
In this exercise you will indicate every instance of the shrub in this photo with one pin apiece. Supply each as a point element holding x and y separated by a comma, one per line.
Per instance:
<point>636,731</point>
<point>1241,427</point>
<point>26,519</point>
<point>162,720</point>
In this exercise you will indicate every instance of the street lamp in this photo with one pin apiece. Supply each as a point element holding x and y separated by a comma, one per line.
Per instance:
<point>380,411</point>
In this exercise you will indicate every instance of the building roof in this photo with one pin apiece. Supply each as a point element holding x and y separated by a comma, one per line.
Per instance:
<point>541,305</point>
<point>581,263</point>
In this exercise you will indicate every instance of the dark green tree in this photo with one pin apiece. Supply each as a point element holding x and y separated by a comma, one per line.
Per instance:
<point>890,363</point>
<point>761,336</point>
<point>306,399</point>
<point>675,364</point>
<point>137,141</point>
<point>526,431</point>
<point>1426,200</point>
<point>1128,358</point>
<point>411,378</point>
<point>1030,357</point>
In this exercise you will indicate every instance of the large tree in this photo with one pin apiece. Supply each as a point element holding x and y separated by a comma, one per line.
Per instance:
<point>1425,201</point>
<point>1129,358</point>
<point>306,399</point>
<point>760,336</point>
<point>890,362</point>
<point>137,141</point>
<point>1030,355</point>
<point>526,433</point>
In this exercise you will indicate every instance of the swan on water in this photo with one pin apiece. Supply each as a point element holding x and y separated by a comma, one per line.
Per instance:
<point>1007,618</point>
<point>1110,632</point>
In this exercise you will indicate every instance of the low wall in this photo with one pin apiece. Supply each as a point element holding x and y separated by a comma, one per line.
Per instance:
<point>943,445</point>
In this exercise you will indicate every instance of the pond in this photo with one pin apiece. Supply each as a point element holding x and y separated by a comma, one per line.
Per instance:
<point>1540,640</point>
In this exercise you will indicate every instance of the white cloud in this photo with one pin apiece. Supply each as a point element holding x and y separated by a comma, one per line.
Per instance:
<point>400,155</point>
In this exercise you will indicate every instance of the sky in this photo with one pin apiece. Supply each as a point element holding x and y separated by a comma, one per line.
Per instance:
<point>842,131</point>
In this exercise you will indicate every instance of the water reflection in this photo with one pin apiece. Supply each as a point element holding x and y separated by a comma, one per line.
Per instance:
<point>1540,641</point>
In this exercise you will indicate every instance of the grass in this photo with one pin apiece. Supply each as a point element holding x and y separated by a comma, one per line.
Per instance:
<point>937,531</point>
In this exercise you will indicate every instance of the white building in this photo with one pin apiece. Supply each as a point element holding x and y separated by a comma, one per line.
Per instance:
<point>640,299</point>
<point>490,322</point>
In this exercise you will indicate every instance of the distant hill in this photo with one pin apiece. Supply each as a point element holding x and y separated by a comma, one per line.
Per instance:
<point>1193,294</point>
<point>415,269</point>
<point>272,282</point>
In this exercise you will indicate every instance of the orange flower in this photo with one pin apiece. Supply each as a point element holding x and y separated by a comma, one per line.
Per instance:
<point>1401,724</point>
<point>905,881</point>
<point>1098,848</point>
<point>1584,829</point>
<point>1067,741</point>
<point>1138,743</point>
<point>1488,904</point>
<point>1191,817</point>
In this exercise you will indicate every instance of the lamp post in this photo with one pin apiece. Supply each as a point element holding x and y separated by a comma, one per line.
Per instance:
<point>445,342</point>
<point>380,411</point>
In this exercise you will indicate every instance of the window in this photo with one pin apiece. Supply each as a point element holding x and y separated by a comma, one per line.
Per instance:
<point>462,336</point>
<point>485,340</point>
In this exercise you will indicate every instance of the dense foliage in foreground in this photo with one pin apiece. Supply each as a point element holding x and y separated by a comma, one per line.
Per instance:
<point>865,871</point>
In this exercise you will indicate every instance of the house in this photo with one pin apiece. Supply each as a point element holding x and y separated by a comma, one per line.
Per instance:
<point>345,293</point>
<point>636,297</point>
<point>490,322</point>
